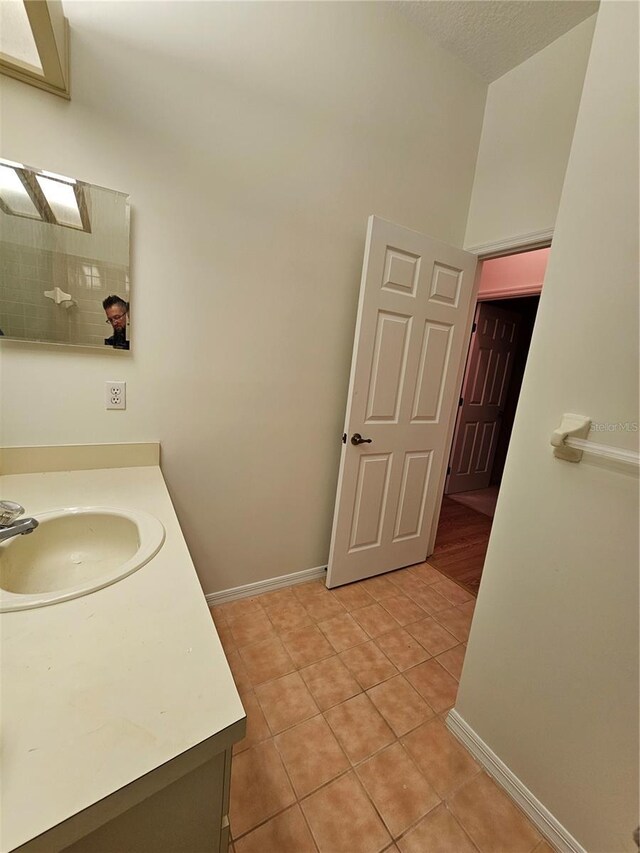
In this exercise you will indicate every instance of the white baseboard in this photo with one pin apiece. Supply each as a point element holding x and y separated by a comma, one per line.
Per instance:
<point>265,586</point>
<point>540,816</point>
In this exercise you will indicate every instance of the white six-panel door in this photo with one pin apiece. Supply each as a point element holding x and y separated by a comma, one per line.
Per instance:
<point>412,332</point>
<point>486,384</point>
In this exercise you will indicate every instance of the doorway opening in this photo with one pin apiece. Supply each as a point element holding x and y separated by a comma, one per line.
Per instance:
<point>504,319</point>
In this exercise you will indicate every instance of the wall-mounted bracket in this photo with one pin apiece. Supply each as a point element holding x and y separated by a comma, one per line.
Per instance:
<point>571,426</point>
<point>60,297</point>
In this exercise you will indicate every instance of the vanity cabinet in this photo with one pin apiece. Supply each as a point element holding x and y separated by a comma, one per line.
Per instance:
<point>190,815</point>
<point>119,708</point>
<point>178,807</point>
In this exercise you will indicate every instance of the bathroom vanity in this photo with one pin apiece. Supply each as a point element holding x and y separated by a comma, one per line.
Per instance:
<point>119,711</point>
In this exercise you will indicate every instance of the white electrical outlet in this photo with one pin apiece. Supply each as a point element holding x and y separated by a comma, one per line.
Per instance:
<point>115,395</point>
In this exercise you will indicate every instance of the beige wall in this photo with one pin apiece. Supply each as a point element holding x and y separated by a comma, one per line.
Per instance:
<point>526,136</point>
<point>550,681</point>
<point>254,140</point>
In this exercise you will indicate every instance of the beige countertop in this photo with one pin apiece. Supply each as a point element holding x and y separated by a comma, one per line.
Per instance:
<point>100,690</point>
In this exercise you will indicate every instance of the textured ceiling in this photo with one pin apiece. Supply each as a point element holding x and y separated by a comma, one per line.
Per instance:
<point>493,36</point>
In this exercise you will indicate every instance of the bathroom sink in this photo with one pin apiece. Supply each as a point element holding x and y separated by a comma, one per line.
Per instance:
<point>73,552</point>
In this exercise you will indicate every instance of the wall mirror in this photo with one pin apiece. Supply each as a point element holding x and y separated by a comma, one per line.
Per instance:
<point>64,260</point>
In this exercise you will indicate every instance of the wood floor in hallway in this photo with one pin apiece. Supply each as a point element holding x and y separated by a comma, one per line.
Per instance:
<point>461,544</point>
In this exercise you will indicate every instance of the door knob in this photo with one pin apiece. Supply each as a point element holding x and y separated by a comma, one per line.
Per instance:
<point>356,438</point>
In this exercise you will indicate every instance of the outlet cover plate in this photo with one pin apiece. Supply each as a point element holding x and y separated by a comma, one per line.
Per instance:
<point>115,394</point>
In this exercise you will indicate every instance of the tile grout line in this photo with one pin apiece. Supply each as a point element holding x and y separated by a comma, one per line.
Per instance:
<point>224,619</point>
<point>446,805</point>
<point>353,769</point>
<point>371,638</point>
<point>422,816</point>
<point>363,690</point>
<point>298,802</point>
<point>399,672</point>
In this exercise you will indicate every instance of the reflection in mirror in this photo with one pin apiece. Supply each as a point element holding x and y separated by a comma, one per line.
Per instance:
<point>64,260</point>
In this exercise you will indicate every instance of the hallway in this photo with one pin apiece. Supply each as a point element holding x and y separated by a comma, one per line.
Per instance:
<point>461,544</point>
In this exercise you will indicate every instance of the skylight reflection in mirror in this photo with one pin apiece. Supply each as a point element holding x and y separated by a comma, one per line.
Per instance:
<point>62,201</point>
<point>13,194</point>
<point>47,196</point>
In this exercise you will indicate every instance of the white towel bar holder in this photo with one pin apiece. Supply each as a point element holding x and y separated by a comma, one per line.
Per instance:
<point>569,443</point>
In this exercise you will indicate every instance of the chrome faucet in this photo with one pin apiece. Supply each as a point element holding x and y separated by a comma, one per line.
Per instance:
<point>10,522</point>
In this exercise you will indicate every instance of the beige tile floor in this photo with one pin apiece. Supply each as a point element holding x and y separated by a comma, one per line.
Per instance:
<point>346,751</point>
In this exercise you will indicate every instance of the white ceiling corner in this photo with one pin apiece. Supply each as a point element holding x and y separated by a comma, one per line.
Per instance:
<point>493,36</point>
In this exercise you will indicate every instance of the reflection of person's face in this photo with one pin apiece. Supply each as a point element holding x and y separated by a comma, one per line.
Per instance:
<point>117,316</point>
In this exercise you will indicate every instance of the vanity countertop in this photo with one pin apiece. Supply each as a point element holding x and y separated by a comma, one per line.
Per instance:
<point>101,690</point>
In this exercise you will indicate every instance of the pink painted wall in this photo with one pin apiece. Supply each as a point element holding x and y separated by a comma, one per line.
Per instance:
<point>515,275</point>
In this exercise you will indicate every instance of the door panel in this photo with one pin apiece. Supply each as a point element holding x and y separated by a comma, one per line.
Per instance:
<point>413,495</point>
<point>484,393</point>
<point>434,358</point>
<point>388,368</point>
<point>413,323</point>
<point>371,494</point>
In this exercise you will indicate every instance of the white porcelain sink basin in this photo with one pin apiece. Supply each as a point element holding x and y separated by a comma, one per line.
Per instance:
<point>73,552</point>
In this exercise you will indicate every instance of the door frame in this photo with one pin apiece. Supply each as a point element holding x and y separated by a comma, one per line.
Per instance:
<point>485,252</point>
<point>512,245</point>
<point>495,295</point>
